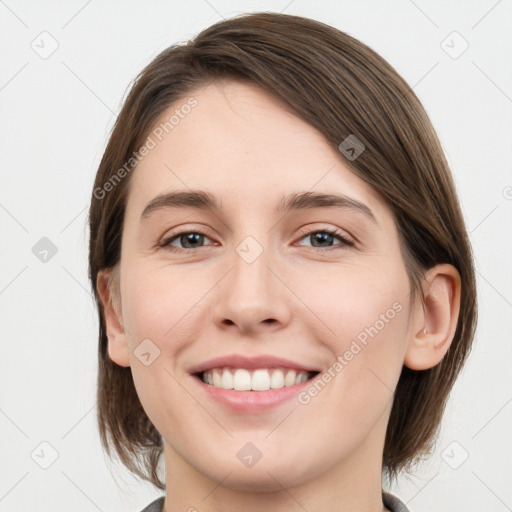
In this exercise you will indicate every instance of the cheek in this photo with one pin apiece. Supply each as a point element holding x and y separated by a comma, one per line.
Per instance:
<point>352,298</point>
<point>366,339</point>
<point>159,305</point>
<point>158,302</point>
<point>365,312</point>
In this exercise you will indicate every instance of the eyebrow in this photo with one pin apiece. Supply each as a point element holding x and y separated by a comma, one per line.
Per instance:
<point>203,200</point>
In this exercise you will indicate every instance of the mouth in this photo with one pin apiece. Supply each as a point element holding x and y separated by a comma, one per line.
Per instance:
<point>253,384</point>
<point>259,379</point>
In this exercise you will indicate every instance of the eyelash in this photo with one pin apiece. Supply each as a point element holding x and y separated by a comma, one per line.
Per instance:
<point>338,234</point>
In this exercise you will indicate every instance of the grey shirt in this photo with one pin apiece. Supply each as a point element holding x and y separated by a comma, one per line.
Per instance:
<point>392,502</point>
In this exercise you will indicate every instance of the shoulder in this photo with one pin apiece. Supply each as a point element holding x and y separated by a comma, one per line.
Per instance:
<point>155,506</point>
<point>393,503</point>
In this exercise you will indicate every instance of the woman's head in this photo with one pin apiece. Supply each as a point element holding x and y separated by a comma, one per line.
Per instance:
<point>257,113</point>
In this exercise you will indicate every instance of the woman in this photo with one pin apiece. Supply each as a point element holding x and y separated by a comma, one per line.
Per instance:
<point>306,347</point>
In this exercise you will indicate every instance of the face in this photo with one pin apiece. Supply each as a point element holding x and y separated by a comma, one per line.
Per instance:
<point>320,289</point>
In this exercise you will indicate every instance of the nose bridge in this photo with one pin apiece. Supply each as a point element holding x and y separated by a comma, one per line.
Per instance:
<point>251,278</point>
<point>252,262</point>
<point>252,295</point>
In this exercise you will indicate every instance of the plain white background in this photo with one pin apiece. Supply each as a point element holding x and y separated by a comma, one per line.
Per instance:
<point>56,112</point>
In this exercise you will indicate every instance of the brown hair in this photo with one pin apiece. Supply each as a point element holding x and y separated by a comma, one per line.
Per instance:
<point>341,87</point>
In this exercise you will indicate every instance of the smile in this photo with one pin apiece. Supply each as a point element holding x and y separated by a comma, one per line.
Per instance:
<point>261,379</point>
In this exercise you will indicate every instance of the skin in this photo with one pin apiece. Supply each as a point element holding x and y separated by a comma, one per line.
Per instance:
<point>296,300</point>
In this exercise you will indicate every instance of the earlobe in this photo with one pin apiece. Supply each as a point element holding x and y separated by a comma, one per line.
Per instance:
<point>117,342</point>
<point>435,320</point>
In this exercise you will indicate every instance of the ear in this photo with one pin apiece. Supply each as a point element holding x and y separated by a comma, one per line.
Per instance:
<point>111,302</point>
<point>435,320</point>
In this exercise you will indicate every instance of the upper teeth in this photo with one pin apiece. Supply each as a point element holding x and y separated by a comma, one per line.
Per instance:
<point>241,379</point>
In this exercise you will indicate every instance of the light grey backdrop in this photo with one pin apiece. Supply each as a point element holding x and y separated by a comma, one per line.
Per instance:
<point>64,70</point>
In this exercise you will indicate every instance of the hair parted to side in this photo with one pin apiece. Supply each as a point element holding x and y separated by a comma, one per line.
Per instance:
<point>341,87</point>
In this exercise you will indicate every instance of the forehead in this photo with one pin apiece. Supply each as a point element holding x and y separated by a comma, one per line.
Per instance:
<point>240,143</point>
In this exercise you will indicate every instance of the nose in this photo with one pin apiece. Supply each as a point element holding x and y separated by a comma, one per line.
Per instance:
<point>253,297</point>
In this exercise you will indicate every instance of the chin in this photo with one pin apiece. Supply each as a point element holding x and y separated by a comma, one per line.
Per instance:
<point>260,482</point>
<point>263,477</point>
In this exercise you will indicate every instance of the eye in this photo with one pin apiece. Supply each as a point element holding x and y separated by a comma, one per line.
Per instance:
<point>188,240</point>
<point>325,236</point>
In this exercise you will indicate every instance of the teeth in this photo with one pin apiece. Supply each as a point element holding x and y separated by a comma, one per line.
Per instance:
<point>227,380</point>
<point>277,380</point>
<point>263,379</point>
<point>289,380</point>
<point>217,380</point>
<point>260,380</point>
<point>241,380</point>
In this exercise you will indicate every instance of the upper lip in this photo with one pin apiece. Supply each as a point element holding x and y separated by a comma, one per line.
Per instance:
<point>254,362</point>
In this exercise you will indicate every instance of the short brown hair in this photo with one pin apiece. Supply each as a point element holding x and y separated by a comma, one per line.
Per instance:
<point>341,87</point>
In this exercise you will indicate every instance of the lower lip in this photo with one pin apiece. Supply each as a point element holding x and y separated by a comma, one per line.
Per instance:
<point>253,401</point>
